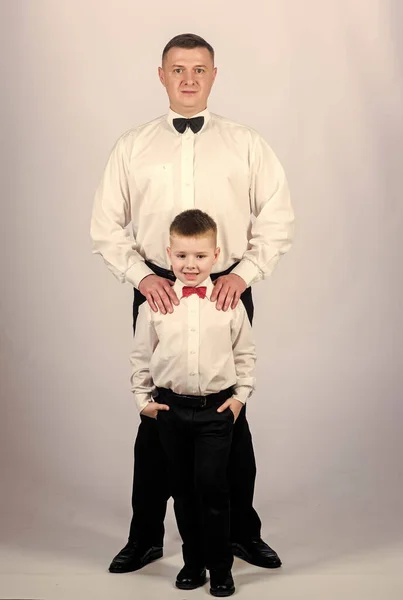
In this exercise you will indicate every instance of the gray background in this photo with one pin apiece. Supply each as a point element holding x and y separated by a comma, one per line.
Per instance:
<point>322,81</point>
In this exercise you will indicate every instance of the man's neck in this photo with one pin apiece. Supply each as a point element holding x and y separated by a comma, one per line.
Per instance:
<point>187,114</point>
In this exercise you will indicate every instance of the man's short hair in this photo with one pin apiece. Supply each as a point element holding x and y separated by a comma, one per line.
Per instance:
<point>193,223</point>
<point>187,40</point>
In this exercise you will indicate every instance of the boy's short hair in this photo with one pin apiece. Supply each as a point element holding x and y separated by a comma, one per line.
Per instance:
<point>193,223</point>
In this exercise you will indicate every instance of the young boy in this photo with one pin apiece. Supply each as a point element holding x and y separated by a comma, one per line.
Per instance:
<point>200,362</point>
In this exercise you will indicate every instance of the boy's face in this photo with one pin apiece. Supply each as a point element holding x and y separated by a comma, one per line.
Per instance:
<point>192,258</point>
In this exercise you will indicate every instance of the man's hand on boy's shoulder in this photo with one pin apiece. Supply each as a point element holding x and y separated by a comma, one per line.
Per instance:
<point>234,405</point>
<point>152,409</point>
<point>158,293</point>
<point>227,291</point>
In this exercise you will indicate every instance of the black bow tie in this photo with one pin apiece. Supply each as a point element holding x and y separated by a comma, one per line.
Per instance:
<point>195,124</point>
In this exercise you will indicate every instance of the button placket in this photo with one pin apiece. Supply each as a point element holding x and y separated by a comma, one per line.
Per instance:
<point>187,162</point>
<point>193,344</point>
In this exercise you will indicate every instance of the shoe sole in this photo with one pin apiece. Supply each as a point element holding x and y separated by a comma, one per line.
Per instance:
<point>150,556</point>
<point>239,552</point>
<point>222,594</point>
<point>184,586</point>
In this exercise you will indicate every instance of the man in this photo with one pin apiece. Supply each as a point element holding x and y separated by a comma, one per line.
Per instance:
<point>191,158</point>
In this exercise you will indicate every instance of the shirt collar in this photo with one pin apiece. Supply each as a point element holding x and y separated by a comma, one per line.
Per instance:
<point>173,115</point>
<point>178,285</point>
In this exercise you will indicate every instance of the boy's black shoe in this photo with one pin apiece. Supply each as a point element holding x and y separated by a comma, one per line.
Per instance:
<point>258,553</point>
<point>132,558</point>
<point>221,584</point>
<point>190,579</point>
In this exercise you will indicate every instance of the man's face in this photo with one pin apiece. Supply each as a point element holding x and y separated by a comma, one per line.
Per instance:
<point>192,258</point>
<point>188,76</point>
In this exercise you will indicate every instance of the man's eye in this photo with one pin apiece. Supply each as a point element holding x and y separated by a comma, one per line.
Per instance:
<point>178,70</point>
<point>199,71</point>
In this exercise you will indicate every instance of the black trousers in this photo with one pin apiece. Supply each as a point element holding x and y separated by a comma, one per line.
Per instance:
<point>151,488</point>
<point>197,442</point>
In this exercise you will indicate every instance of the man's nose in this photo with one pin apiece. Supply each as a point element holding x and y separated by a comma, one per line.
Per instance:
<point>189,78</point>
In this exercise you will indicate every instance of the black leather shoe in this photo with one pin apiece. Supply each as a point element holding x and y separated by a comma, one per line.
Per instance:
<point>133,558</point>
<point>221,584</point>
<point>257,552</point>
<point>190,579</point>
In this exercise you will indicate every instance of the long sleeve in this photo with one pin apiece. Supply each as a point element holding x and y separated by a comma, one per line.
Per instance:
<point>244,351</point>
<point>273,223</point>
<point>144,344</point>
<point>110,216</point>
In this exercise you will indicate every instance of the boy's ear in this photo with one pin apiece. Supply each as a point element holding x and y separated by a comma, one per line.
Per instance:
<point>169,251</point>
<point>217,253</point>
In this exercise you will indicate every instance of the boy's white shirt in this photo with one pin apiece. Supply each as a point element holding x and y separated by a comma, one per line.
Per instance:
<point>196,350</point>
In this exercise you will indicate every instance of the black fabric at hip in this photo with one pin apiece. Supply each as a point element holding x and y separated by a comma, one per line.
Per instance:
<point>196,401</point>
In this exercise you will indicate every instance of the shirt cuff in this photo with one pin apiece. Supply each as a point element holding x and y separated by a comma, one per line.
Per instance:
<point>242,393</point>
<point>248,271</point>
<point>142,400</point>
<point>137,272</point>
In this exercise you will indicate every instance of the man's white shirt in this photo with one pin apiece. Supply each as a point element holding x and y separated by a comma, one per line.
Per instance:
<point>226,170</point>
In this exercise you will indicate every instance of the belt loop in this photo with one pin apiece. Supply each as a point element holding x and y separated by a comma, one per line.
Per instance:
<point>203,402</point>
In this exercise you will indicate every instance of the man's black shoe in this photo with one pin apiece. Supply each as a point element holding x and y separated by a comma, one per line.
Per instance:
<point>257,552</point>
<point>133,558</point>
<point>221,584</point>
<point>190,579</point>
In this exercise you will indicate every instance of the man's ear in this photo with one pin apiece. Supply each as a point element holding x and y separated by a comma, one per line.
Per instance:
<point>161,75</point>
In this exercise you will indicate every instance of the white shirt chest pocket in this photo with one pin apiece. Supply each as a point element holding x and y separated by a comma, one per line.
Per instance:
<point>155,186</point>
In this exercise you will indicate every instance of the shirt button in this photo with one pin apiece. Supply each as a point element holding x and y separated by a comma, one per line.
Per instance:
<point>192,352</point>
<point>193,330</point>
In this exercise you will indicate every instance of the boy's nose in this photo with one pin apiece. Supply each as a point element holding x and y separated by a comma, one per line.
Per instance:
<point>190,264</point>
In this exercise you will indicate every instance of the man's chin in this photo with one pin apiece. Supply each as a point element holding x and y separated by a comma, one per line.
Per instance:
<point>189,101</point>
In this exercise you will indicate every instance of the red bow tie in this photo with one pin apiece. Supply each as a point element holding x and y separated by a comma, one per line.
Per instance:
<point>187,290</point>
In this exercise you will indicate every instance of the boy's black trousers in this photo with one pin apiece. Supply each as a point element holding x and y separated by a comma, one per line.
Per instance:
<point>151,489</point>
<point>196,440</point>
